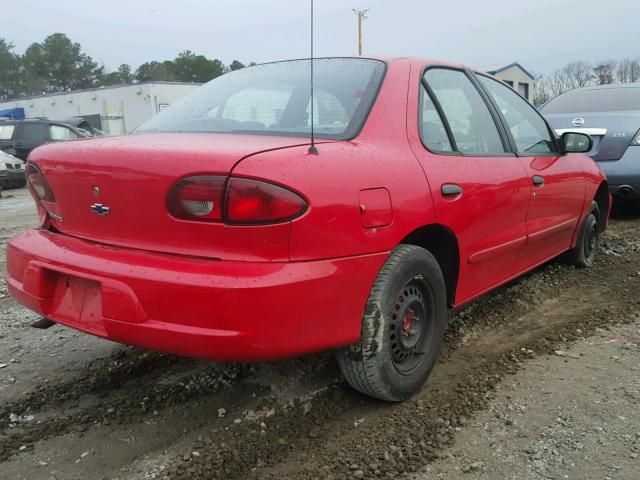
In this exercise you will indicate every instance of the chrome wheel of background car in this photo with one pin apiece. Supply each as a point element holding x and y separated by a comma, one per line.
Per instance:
<point>411,327</point>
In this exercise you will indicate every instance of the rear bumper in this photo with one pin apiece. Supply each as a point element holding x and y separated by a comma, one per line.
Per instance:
<point>623,173</point>
<point>220,310</point>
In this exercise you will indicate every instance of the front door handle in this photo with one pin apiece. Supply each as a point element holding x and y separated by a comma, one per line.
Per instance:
<point>451,189</point>
<point>537,180</point>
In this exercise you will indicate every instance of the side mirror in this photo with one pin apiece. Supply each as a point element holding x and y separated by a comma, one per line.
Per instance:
<point>574,142</point>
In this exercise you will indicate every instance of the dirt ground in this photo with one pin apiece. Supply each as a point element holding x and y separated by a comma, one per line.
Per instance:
<point>539,379</point>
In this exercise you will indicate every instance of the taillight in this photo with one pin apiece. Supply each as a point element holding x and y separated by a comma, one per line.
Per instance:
<point>38,184</point>
<point>197,198</point>
<point>255,202</point>
<point>244,201</point>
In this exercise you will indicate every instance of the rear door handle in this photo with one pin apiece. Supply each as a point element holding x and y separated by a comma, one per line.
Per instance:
<point>451,189</point>
<point>537,180</point>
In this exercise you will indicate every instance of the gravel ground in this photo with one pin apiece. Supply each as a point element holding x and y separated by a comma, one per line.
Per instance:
<point>501,403</point>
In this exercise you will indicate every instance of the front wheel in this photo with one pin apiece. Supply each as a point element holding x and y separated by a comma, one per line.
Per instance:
<point>402,327</point>
<point>586,249</point>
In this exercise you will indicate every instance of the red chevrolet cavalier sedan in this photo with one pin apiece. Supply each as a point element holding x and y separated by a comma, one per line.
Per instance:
<point>215,231</point>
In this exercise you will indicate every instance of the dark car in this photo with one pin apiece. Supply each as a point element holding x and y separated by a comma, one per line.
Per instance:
<point>12,171</point>
<point>611,115</point>
<point>19,137</point>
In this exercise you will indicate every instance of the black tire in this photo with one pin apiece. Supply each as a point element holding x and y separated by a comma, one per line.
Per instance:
<point>402,327</point>
<point>586,249</point>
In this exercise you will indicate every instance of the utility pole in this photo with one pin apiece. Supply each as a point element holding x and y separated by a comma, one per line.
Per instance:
<point>362,15</point>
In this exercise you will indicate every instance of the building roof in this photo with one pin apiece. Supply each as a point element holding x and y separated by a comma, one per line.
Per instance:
<point>506,67</point>
<point>96,89</point>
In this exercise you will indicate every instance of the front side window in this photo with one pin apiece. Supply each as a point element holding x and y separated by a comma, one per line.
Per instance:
<point>58,132</point>
<point>6,132</point>
<point>274,99</point>
<point>528,129</point>
<point>471,123</point>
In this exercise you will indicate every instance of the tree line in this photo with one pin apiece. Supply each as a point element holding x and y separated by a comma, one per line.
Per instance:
<point>584,74</point>
<point>58,64</point>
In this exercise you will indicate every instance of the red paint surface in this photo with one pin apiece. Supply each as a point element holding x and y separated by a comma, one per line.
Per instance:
<point>232,292</point>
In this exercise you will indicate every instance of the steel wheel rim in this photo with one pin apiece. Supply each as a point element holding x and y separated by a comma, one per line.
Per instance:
<point>591,242</point>
<point>412,326</point>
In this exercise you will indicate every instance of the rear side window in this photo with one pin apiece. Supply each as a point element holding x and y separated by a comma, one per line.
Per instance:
<point>33,131</point>
<point>432,129</point>
<point>469,119</point>
<point>6,132</point>
<point>528,129</point>
<point>606,99</point>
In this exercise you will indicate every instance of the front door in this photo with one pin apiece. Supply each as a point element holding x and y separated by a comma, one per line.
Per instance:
<point>481,192</point>
<point>558,189</point>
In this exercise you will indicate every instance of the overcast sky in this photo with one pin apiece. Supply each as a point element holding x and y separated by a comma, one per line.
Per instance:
<point>540,34</point>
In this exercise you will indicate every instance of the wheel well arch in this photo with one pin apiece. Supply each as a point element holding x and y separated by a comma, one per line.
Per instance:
<point>602,199</point>
<point>442,243</point>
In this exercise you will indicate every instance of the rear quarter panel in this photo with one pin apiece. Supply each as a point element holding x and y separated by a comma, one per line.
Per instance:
<point>379,157</point>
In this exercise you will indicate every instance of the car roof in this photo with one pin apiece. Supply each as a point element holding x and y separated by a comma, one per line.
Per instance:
<point>48,121</point>
<point>609,86</point>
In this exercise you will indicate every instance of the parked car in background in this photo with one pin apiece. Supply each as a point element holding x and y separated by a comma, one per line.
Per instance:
<point>12,170</point>
<point>610,114</point>
<point>217,231</point>
<point>20,137</point>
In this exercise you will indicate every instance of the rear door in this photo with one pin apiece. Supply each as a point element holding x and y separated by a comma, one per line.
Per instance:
<point>29,135</point>
<point>558,186</point>
<point>480,190</point>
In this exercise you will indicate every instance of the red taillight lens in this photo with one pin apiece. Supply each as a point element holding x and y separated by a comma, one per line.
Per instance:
<point>38,184</point>
<point>197,198</point>
<point>255,202</point>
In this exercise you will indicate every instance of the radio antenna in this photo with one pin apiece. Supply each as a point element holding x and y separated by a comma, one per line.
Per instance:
<point>312,149</point>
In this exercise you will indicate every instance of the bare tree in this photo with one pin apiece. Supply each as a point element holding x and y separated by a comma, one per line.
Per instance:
<point>605,71</point>
<point>628,70</point>
<point>571,76</point>
<point>541,92</point>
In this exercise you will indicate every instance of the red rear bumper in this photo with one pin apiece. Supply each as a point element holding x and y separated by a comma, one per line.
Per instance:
<point>221,310</point>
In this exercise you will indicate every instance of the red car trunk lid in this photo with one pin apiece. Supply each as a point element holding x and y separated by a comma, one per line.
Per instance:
<point>131,176</point>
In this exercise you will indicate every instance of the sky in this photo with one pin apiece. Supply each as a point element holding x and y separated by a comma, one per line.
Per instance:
<point>540,34</point>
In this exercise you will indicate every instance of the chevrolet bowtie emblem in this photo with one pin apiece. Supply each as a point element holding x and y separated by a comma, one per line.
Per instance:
<point>100,209</point>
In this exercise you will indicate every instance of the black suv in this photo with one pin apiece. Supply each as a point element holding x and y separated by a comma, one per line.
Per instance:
<point>19,137</point>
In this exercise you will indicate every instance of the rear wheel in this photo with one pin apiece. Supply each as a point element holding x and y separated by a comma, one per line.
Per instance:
<point>402,327</point>
<point>586,249</point>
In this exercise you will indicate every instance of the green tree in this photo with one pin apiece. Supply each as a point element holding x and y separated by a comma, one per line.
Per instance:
<point>155,71</point>
<point>8,69</point>
<point>121,75</point>
<point>236,65</point>
<point>189,67</point>
<point>60,64</point>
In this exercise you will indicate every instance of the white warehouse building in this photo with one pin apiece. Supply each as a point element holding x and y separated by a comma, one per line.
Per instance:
<point>115,109</point>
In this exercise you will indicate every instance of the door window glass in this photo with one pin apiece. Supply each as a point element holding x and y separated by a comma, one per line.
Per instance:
<point>470,121</point>
<point>527,127</point>
<point>432,130</point>
<point>6,132</point>
<point>58,132</point>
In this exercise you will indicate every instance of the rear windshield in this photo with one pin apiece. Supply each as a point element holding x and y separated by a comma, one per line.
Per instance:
<point>595,100</point>
<point>274,99</point>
